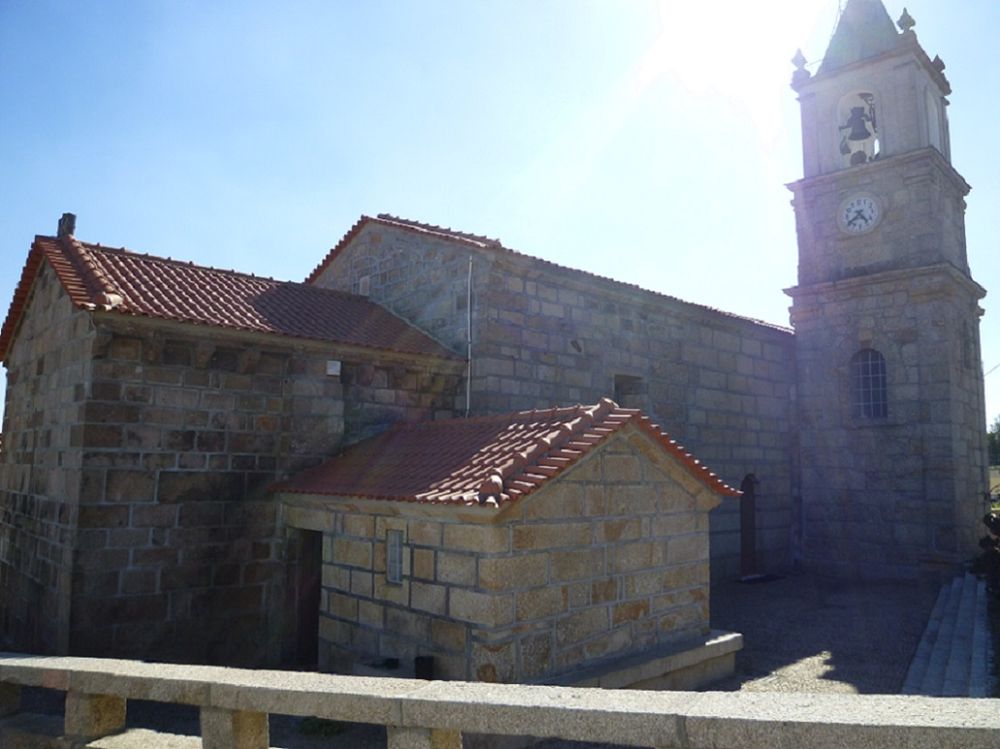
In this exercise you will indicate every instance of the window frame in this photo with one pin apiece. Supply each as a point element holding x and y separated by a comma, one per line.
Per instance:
<point>869,386</point>
<point>394,557</point>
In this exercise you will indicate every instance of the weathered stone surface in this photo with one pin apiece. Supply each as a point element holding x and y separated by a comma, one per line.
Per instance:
<point>91,715</point>
<point>228,729</point>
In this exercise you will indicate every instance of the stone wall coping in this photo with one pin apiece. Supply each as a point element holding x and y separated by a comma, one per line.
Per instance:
<point>635,718</point>
<point>621,673</point>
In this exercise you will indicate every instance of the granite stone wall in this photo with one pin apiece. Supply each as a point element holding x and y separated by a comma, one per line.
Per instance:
<point>137,455</point>
<point>610,558</point>
<point>889,497</point>
<point>40,470</point>
<point>180,549</point>
<point>544,335</point>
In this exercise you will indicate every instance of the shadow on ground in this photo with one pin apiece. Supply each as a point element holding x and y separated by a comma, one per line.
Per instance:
<point>805,633</point>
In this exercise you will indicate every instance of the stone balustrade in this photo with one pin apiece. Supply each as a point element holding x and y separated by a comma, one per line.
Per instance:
<point>235,704</point>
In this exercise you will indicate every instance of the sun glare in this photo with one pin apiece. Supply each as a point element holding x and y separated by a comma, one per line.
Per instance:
<point>732,50</point>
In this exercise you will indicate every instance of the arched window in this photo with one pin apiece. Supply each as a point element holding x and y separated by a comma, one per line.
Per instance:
<point>868,390</point>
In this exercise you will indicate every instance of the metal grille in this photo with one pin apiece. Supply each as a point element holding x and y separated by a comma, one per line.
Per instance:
<point>869,386</point>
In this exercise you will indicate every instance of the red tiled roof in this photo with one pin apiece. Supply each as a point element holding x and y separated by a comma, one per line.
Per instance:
<point>102,278</point>
<point>489,459</point>
<point>479,241</point>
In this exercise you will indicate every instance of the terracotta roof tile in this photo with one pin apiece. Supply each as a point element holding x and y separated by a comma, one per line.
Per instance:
<point>129,283</point>
<point>479,241</point>
<point>485,460</point>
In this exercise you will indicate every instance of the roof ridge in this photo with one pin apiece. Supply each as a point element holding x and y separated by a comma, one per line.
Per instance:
<point>499,464</point>
<point>495,244</point>
<point>101,288</point>
<point>190,264</point>
<point>440,229</point>
<point>98,247</point>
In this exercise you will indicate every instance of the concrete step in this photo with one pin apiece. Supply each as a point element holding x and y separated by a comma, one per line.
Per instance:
<point>922,657</point>
<point>953,657</point>
<point>980,673</point>
<point>933,680</point>
<point>956,674</point>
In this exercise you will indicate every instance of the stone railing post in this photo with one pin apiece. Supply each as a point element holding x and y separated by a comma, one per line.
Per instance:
<point>233,729</point>
<point>422,738</point>
<point>90,716</point>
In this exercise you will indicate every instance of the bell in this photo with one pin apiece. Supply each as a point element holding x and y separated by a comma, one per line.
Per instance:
<point>856,123</point>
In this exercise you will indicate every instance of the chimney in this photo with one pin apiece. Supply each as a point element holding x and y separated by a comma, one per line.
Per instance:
<point>67,225</point>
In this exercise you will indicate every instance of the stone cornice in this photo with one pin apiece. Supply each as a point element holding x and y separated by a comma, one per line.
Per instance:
<point>871,280</point>
<point>884,164</point>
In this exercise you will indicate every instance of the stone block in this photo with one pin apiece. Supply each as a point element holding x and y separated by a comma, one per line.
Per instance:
<point>629,612</point>
<point>342,606</point>
<point>551,536</point>
<point>507,573</point>
<point>233,729</point>
<point>640,555</point>
<point>187,486</point>
<point>480,538</point>
<point>494,661</point>
<point>424,533</point>
<point>103,516</point>
<point>682,549</point>
<point>622,468</point>
<point>487,609</point>
<point>428,597</point>
<point>541,603</point>
<point>617,529</point>
<point>391,592</point>
<point>563,500</point>
<point>577,564</point>
<point>352,553</point>
<point>359,525</point>
<point>582,625</point>
<point>90,716</point>
<point>456,569</point>
<point>423,564</point>
<point>449,635</point>
<point>422,738</point>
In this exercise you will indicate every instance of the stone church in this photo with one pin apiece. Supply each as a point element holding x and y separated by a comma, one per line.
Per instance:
<point>155,408</point>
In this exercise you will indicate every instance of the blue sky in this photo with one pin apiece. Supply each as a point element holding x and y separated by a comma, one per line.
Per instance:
<point>647,141</point>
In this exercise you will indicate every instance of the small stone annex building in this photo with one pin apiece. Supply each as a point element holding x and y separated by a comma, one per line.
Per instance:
<point>152,403</point>
<point>515,547</point>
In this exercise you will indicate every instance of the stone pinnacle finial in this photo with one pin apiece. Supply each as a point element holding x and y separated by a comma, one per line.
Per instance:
<point>906,22</point>
<point>801,75</point>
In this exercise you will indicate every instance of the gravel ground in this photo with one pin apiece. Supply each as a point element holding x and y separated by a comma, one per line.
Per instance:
<point>802,634</point>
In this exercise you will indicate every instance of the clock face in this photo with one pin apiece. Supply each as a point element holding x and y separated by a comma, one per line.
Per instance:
<point>859,214</point>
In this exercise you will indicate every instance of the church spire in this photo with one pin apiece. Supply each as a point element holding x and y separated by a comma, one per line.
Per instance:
<point>864,30</point>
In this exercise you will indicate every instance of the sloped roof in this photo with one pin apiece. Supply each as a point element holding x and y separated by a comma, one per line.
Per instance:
<point>489,459</point>
<point>864,30</point>
<point>129,283</point>
<point>482,242</point>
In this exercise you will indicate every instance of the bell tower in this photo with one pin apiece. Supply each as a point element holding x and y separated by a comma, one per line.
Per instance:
<point>886,313</point>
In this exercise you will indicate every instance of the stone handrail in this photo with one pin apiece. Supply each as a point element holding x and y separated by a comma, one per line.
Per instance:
<point>235,704</point>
